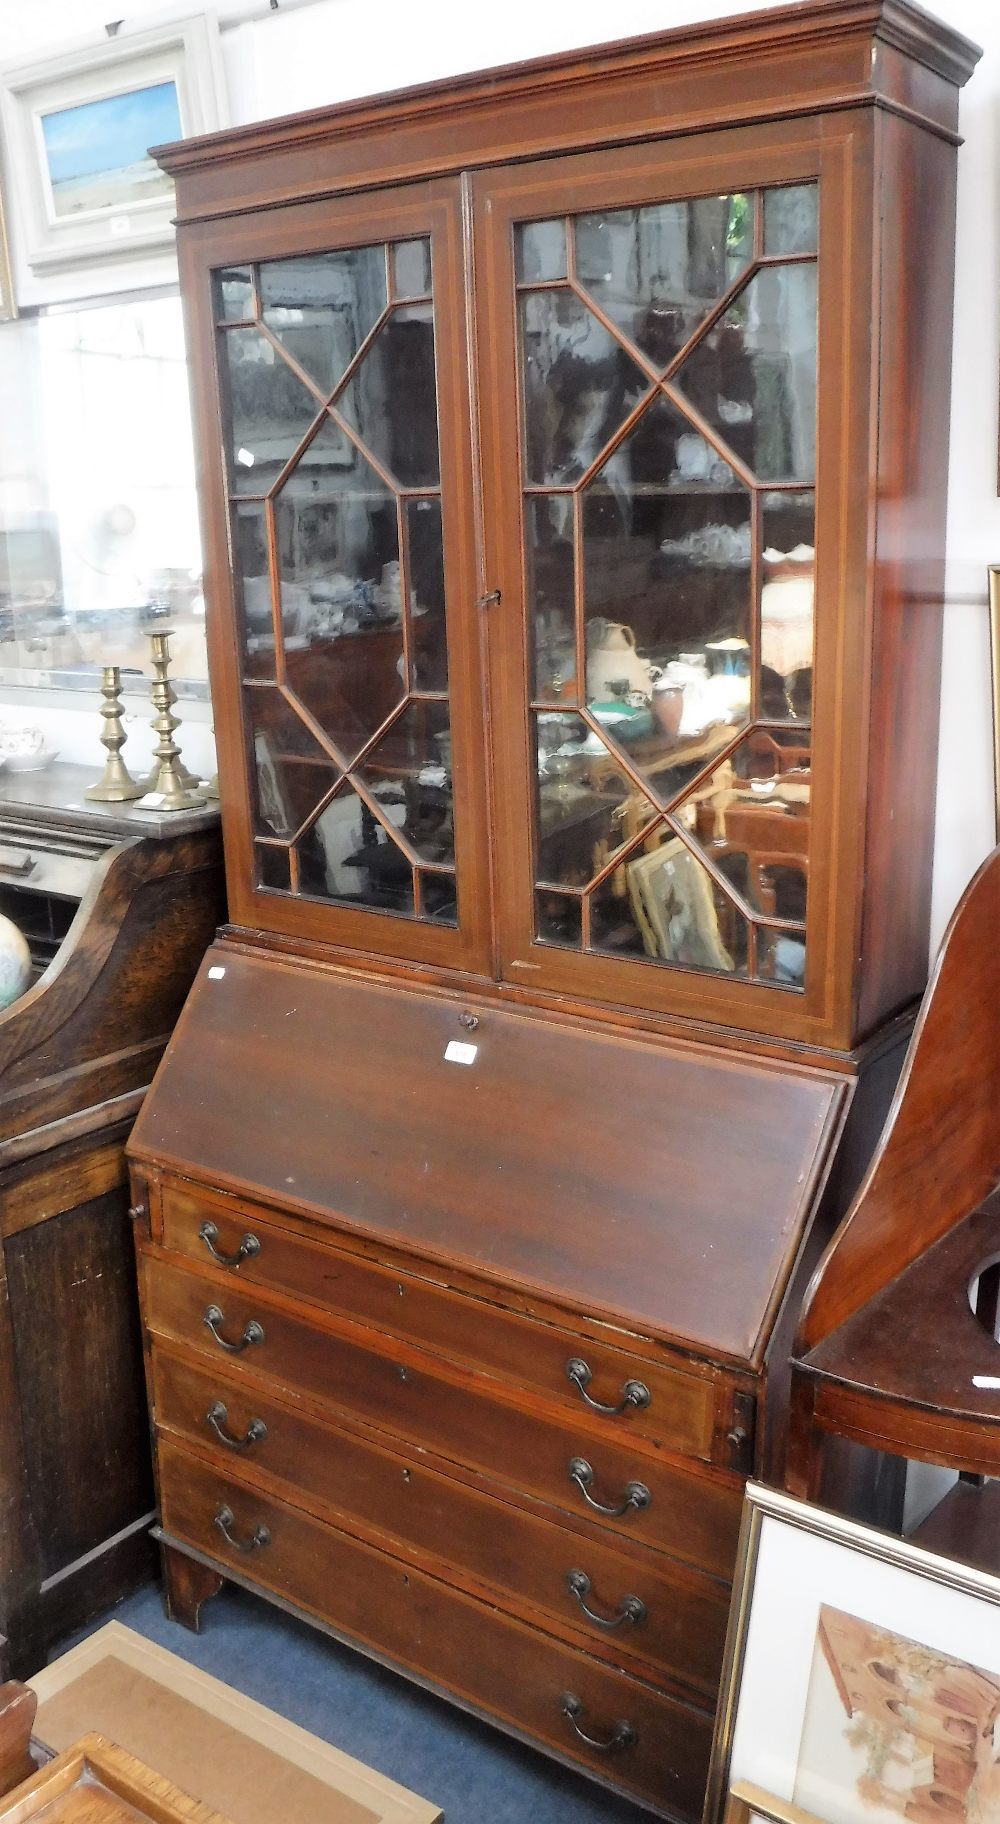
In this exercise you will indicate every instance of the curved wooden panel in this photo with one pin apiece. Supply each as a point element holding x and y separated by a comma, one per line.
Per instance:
<point>940,1152</point>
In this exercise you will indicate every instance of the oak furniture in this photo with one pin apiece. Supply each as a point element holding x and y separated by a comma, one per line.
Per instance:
<point>118,906</point>
<point>897,1349</point>
<point>573,946</point>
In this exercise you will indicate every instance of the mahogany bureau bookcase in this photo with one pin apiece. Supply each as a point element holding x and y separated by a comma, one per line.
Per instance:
<point>572,466</point>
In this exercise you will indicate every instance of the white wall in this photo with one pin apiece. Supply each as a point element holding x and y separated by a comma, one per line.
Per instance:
<point>311,52</point>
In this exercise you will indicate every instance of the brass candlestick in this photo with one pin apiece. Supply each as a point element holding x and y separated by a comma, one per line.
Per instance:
<point>169,792</point>
<point>161,675</point>
<point>116,784</point>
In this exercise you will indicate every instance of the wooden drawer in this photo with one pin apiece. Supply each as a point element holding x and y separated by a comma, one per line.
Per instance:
<point>683,1621</point>
<point>693,1514</point>
<point>514,1673</point>
<point>680,1406</point>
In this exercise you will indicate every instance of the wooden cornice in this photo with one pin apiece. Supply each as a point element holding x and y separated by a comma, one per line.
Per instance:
<point>811,27</point>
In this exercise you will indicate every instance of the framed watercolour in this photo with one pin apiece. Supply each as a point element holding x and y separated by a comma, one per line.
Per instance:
<point>78,131</point>
<point>861,1682</point>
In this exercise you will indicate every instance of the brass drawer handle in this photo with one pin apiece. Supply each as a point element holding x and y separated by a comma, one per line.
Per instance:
<point>248,1247</point>
<point>631,1608</point>
<point>635,1394</point>
<point>623,1735</point>
<point>255,1433</point>
<point>253,1332</point>
<point>225,1520</point>
<point>636,1494</point>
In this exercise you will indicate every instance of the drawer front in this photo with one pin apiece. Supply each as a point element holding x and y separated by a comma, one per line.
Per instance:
<point>647,1609</point>
<point>693,1514</point>
<point>655,1400</point>
<point>501,1666</point>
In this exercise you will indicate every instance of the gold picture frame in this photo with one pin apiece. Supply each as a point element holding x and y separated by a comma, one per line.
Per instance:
<point>993,574</point>
<point>796,1723</point>
<point>8,297</point>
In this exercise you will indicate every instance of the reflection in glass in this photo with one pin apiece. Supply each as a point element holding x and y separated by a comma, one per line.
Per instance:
<point>787,605</point>
<point>558,918</point>
<point>657,270</point>
<point>587,805</point>
<point>270,411</point>
<point>791,219</point>
<point>549,563</point>
<point>321,306</point>
<point>349,855</point>
<point>409,774</point>
<point>438,896</point>
<point>293,772</point>
<point>781,957</point>
<point>234,293</point>
<point>751,816</point>
<point>341,609</point>
<point>411,268</point>
<point>579,386</point>
<point>540,251</point>
<point>428,641</point>
<point>272,867</point>
<point>253,589</point>
<point>753,375</point>
<point>391,399</point>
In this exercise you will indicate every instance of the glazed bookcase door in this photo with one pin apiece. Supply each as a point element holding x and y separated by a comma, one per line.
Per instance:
<point>665,503</point>
<point>353,782</point>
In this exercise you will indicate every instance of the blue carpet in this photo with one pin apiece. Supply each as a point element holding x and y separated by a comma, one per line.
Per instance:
<point>473,1772</point>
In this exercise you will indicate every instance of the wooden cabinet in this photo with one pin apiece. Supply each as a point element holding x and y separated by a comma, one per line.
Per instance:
<point>575,528</point>
<point>118,906</point>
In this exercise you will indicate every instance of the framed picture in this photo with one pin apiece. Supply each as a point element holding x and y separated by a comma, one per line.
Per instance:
<point>862,1678</point>
<point>672,904</point>
<point>8,299</point>
<point>78,131</point>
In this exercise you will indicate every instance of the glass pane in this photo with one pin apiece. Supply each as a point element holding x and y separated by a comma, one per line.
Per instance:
<point>540,251</point>
<point>409,773</point>
<point>791,219</point>
<point>234,293</point>
<point>293,773</point>
<point>549,555</point>
<point>338,556</point>
<point>657,270</point>
<point>438,897</point>
<point>786,605</point>
<point>558,918</point>
<point>678,913</point>
<point>588,807</point>
<point>753,375</point>
<point>391,400</point>
<point>321,306</point>
<point>348,855</point>
<point>272,867</point>
<point>411,269</point>
<point>666,534</point>
<point>252,583</point>
<point>781,957</point>
<point>579,386</point>
<point>751,816</point>
<point>428,641</point>
<point>270,410</point>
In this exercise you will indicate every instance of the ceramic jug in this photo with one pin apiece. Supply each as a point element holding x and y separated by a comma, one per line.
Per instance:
<point>612,661</point>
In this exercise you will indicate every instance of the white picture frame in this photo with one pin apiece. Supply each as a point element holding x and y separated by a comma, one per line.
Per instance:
<point>802,1716</point>
<point>77,130</point>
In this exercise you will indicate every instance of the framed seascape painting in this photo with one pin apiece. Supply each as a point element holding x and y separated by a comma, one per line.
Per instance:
<point>862,1679</point>
<point>79,128</point>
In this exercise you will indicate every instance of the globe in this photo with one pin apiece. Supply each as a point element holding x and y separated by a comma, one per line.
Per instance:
<point>15,962</point>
